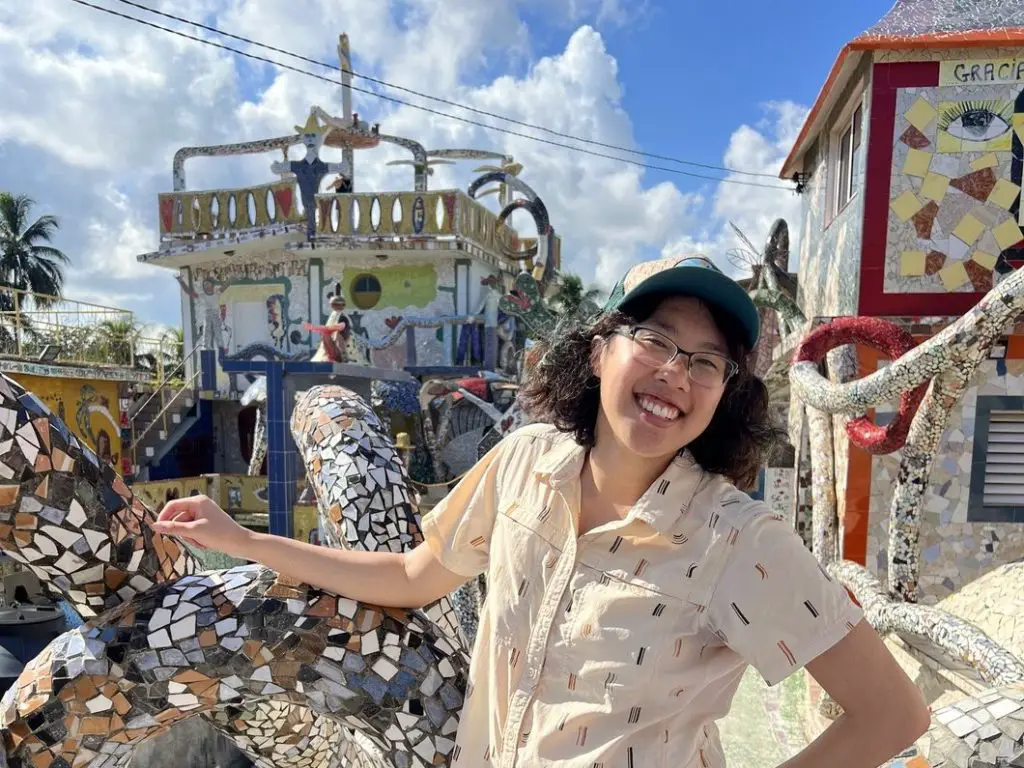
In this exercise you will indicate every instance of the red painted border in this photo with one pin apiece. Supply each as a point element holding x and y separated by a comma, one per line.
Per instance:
<point>886,79</point>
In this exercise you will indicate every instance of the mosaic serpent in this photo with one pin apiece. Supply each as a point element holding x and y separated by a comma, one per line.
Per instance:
<point>257,642</point>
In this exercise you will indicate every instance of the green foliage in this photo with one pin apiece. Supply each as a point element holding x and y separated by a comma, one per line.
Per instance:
<point>572,297</point>
<point>27,260</point>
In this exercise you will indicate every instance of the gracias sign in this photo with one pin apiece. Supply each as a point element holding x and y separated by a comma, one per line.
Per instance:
<point>981,71</point>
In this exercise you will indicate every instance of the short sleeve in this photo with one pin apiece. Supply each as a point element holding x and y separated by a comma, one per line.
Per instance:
<point>773,604</point>
<point>458,530</point>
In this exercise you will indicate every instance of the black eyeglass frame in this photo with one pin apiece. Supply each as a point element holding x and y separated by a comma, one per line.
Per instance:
<point>732,367</point>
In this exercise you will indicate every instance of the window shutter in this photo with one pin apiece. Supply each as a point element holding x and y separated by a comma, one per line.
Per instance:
<point>1004,460</point>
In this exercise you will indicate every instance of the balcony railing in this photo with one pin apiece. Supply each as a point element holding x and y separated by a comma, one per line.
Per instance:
<point>374,214</point>
<point>205,214</point>
<point>54,330</point>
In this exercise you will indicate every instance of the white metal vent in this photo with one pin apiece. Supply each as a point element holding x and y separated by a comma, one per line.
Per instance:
<point>1004,460</point>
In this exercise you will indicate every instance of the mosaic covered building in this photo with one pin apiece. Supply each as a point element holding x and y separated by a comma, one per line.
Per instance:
<point>911,164</point>
<point>310,276</point>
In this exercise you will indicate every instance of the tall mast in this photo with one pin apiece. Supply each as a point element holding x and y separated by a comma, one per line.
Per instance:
<point>345,59</point>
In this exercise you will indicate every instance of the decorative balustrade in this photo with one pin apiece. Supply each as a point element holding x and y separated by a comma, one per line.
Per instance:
<point>479,224</point>
<point>206,214</point>
<point>384,214</point>
<point>212,214</point>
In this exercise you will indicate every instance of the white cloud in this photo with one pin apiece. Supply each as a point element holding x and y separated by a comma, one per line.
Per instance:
<point>121,98</point>
<point>751,209</point>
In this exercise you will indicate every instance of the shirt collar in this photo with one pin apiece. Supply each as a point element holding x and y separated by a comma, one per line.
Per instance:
<point>662,506</point>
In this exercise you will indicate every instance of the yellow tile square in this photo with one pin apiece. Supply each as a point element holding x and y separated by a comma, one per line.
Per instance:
<point>969,229</point>
<point>954,275</point>
<point>987,260</point>
<point>917,162</point>
<point>1007,234</point>
<point>934,187</point>
<point>985,161</point>
<point>921,114</point>
<point>1004,193</point>
<point>906,205</point>
<point>948,144</point>
<point>912,263</point>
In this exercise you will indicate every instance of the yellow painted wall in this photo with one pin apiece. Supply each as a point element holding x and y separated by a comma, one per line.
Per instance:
<point>304,523</point>
<point>407,285</point>
<point>90,408</point>
<point>156,493</point>
<point>239,494</point>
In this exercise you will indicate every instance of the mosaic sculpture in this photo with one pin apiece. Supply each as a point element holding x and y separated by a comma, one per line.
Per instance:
<point>949,360</point>
<point>204,644</point>
<point>338,342</point>
<point>928,380</point>
<point>540,253</point>
<point>310,171</point>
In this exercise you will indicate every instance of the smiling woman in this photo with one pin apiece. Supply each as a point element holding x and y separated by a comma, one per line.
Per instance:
<point>719,410</point>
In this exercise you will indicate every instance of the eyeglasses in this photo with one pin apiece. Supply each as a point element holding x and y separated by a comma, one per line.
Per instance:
<point>708,369</point>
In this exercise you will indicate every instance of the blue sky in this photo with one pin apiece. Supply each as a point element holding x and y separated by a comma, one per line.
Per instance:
<point>695,71</point>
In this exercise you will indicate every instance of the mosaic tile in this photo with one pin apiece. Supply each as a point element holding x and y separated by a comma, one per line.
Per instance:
<point>978,184</point>
<point>921,114</point>
<point>912,137</point>
<point>933,187</point>
<point>906,205</point>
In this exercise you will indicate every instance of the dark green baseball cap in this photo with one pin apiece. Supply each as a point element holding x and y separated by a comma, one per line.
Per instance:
<point>695,276</point>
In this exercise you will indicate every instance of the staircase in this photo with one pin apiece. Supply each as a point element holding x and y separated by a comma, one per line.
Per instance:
<point>161,417</point>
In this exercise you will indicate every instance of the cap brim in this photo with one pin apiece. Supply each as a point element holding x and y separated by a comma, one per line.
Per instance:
<point>705,284</point>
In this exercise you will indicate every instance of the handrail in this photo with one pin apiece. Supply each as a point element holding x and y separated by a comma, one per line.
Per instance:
<point>189,384</point>
<point>167,377</point>
<point>161,387</point>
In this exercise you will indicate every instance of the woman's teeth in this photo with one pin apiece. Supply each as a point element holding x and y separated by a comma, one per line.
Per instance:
<point>657,407</point>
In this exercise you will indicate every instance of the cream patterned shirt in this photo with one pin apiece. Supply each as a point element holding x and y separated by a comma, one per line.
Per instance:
<point>622,647</point>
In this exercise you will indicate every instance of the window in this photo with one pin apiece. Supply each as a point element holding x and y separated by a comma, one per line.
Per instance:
<point>848,156</point>
<point>997,466</point>
<point>365,291</point>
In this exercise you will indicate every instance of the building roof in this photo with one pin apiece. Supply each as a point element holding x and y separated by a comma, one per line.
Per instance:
<point>914,24</point>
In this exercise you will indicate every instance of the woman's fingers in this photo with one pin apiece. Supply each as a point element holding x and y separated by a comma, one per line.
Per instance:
<point>173,509</point>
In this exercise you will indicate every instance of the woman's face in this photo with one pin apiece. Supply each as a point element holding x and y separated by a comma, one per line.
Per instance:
<point>654,412</point>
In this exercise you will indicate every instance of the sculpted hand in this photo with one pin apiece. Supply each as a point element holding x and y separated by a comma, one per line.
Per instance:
<point>200,522</point>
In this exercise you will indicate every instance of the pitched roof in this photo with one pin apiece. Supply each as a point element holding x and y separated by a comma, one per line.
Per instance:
<point>916,24</point>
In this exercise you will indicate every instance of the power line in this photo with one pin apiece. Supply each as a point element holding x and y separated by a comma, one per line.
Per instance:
<point>441,100</point>
<point>420,107</point>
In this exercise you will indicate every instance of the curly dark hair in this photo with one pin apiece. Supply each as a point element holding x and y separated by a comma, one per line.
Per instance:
<point>561,389</point>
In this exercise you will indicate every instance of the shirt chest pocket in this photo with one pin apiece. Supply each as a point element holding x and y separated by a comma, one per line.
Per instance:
<point>523,558</point>
<point>624,631</point>
<point>535,515</point>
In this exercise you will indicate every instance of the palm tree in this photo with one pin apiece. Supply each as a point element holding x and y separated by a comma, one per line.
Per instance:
<point>572,297</point>
<point>27,261</point>
<point>172,347</point>
<point>114,340</point>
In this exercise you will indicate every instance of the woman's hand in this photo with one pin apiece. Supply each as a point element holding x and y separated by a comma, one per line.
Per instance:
<point>202,523</point>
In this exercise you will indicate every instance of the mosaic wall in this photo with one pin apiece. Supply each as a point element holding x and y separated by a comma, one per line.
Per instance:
<point>830,246</point>
<point>954,211</point>
<point>408,289</point>
<point>257,309</point>
<point>953,550</point>
<point>92,409</point>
